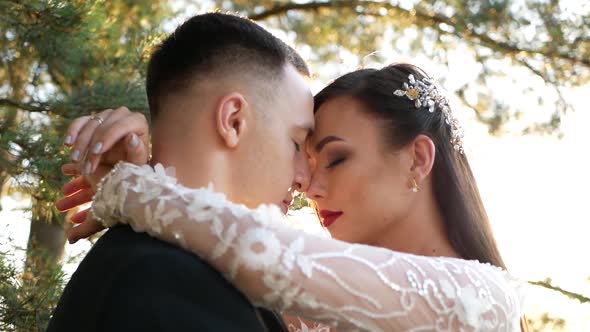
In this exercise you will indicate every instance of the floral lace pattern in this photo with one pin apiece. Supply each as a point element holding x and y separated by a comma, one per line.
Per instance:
<point>304,328</point>
<point>350,287</point>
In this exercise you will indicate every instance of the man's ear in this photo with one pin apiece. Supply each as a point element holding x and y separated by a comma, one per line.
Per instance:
<point>231,118</point>
<point>424,152</point>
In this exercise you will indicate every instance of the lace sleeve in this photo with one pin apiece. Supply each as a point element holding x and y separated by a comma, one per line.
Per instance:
<point>350,287</point>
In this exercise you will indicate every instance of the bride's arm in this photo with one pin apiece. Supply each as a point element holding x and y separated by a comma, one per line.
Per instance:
<point>348,286</point>
<point>298,324</point>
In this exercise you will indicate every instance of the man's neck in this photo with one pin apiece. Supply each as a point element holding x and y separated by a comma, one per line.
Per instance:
<point>197,169</point>
<point>194,154</point>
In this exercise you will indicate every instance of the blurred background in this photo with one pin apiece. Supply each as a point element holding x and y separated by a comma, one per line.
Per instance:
<point>516,71</point>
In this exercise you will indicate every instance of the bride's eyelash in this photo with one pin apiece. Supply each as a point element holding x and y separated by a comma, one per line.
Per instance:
<point>336,162</point>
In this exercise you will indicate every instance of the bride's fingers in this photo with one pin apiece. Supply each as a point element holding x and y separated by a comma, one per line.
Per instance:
<point>131,149</point>
<point>130,129</point>
<point>81,141</point>
<point>71,169</point>
<point>84,230</point>
<point>75,200</point>
<point>137,150</point>
<point>94,178</point>
<point>121,123</point>
<point>74,186</point>
<point>74,129</point>
<point>80,217</point>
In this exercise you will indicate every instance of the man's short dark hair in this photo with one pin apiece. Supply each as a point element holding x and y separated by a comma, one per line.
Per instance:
<point>209,45</point>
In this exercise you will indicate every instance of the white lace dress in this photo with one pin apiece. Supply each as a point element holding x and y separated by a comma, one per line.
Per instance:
<point>350,287</point>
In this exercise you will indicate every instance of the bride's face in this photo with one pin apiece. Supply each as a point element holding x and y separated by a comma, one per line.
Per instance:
<point>361,186</point>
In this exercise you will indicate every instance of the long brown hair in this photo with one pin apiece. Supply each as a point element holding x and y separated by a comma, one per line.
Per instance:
<point>454,186</point>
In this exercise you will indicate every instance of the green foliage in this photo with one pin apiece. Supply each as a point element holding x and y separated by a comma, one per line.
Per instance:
<point>28,299</point>
<point>548,39</point>
<point>547,283</point>
<point>546,323</point>
<point>299,202</point>
<point>58,60</point>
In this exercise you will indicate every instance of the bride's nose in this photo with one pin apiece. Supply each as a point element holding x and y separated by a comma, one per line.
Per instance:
<point>316,189</point>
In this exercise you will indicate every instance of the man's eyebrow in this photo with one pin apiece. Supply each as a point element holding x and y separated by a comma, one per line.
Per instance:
<point>320,145</point>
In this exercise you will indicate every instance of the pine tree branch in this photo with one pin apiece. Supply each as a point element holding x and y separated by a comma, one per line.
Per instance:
<point>473,36</point>
<point>38,107</point>
<point>571,295</point>
<point>32,107</point>
<point>461,95</point>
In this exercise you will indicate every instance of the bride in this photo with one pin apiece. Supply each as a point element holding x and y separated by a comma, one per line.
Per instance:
<point>412,247</point>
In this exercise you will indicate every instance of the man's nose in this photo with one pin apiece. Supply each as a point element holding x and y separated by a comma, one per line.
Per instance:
<point>302,175</point>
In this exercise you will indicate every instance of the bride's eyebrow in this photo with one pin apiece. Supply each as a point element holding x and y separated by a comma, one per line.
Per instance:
<point>320,145</point>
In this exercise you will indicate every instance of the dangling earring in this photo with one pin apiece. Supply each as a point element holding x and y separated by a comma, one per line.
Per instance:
<point>415,187</point>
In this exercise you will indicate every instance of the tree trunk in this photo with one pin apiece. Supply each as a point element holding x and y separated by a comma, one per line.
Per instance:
<point>46,237</point>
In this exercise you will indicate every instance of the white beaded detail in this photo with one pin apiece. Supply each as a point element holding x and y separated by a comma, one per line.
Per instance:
<point>425,93</point>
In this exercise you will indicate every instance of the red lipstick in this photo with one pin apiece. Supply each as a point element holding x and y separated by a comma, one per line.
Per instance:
<point>329,217</point>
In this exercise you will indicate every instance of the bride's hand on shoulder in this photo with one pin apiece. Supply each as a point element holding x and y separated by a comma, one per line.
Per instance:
<point>107,138</point>
<point>123,136</point>
<point>80,191</point>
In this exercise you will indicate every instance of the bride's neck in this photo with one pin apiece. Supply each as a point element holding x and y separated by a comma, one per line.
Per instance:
<point>422,232</point>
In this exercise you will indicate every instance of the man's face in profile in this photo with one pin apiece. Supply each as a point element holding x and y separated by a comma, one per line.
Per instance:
<point>276,160</point>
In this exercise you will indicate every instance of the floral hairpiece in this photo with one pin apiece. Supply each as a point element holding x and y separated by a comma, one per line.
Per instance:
<point>425,94</point>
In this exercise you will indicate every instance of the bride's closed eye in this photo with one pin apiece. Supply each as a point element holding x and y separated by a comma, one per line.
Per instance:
<point>336,161</point>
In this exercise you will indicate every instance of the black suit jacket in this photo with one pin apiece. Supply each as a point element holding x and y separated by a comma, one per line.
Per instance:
<point>133,282</point>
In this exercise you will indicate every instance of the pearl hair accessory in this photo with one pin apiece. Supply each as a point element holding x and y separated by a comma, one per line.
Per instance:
<point>424,93</point>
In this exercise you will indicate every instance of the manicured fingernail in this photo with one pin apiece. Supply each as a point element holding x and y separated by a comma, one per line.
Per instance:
<point>87,168</point>
<point>134,142</point>
<point>97,147</point>
<point>76,155</point>
<point>68,140</point>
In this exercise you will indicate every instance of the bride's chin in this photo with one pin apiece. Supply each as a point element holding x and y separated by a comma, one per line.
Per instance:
<point>341,233</point>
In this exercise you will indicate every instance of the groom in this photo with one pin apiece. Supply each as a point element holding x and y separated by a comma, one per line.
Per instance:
<point>230,106</point>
